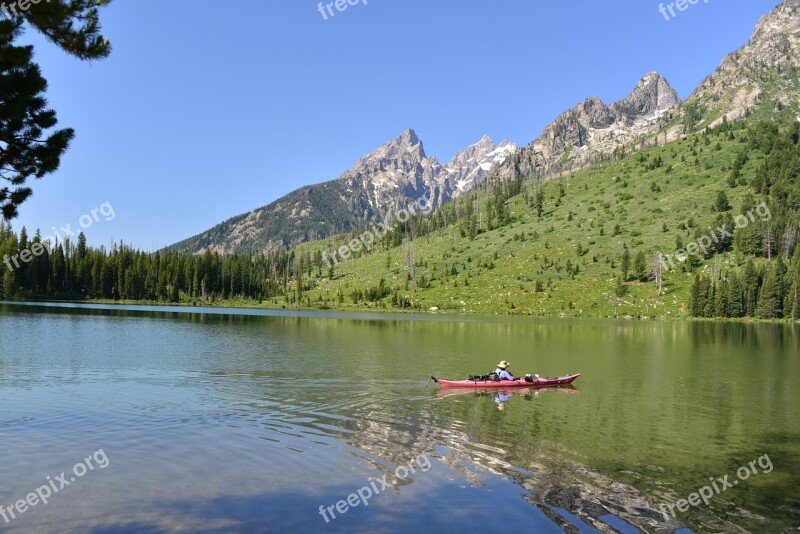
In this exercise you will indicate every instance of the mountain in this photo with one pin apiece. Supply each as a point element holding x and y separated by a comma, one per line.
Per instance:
<point>396,171</point>
<point>592,129</point>
<point>762,78</point>
<point>395,174</point>
<point>469,167</point>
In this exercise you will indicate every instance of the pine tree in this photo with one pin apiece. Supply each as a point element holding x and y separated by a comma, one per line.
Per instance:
<point>722,203</point>
<point>710,298</point>
<point>793,298</point>
<point>539,202</point>
<point>625,265</point>
<point>789,241</point>
<point>299,282</point>
<point>640,266</point>
<point>724,242</point>
<point>783,279</point>
<point>722,301</point>
<point>697,302</point>
<point>748,240</point>
<point>751,282</point>
<point>736,297</point>
<point>9,285</point>
<point>768,243</point>
<point>770,302</point>
<point>736,171</point>
<point>31,148</point>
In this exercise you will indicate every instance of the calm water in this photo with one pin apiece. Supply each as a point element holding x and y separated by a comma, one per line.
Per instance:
<point>240,421</point>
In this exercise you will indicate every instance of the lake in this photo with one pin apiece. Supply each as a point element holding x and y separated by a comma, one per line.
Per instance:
<point>190,419</point>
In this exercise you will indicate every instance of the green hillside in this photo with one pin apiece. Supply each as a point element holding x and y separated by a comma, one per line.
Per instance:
<point>332,214</point>
<point>568,261</point>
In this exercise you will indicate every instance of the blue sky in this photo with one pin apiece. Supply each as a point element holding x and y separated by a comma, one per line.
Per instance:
<point>208,109</point>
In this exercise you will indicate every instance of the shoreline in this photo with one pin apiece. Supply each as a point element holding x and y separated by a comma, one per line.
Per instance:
<point>237,305</point>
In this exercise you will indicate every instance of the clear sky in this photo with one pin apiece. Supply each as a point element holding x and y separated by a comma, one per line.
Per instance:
<point>208,109</point>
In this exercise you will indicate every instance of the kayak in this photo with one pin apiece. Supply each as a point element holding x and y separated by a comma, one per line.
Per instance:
<point>519,383</point>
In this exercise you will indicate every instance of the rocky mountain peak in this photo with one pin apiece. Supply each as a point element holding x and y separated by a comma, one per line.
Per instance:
<point>468,167</point>
<point>484,141</point>
<point>651,96</point>
<point>409,138</point>
<point>784,19</point>
<point>400,170</point>
<point>761,73</point>
<point>775,41</point>
<point>482,147</point>
<point>406,144</point>
<point>595,113</point>
<point>592,129</point>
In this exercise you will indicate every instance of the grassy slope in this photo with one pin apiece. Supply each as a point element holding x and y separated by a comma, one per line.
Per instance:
<point>597,198</point>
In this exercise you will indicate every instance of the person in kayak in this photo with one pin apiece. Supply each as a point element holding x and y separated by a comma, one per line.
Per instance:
<point>502,372</point>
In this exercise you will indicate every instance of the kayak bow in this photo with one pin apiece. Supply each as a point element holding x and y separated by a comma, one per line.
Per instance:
<point>519,383</point>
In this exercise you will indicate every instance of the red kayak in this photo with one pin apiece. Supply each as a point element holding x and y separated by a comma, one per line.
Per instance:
<point>519,383</point>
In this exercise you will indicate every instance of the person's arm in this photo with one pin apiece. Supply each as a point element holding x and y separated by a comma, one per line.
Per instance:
<point>505,375</point>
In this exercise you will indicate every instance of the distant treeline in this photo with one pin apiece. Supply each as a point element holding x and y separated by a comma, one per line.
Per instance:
<point>765,289</point>
<point>71,270</point>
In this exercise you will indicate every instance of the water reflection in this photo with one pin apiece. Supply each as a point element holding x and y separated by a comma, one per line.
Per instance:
<point>502,395</point>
